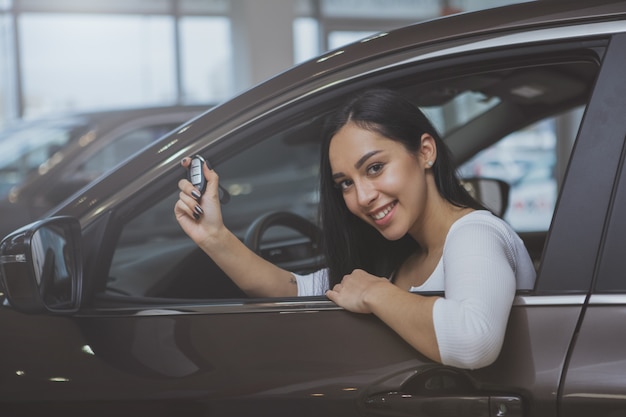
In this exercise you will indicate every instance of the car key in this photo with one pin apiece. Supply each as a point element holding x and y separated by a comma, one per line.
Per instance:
<point>196,176</point>
<point>197,179</point>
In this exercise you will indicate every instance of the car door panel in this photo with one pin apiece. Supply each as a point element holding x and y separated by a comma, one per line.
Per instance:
<point>596,374</point>
<point>532,357</point>
<point>219,361</point>
<point>154,360</point>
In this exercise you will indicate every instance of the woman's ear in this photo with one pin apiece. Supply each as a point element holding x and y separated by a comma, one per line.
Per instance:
<point>428,150</point>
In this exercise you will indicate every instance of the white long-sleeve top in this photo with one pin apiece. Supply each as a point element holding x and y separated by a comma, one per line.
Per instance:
<point>483,263</point>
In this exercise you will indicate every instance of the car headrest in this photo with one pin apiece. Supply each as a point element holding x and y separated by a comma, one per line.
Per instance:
<point>493,193</point>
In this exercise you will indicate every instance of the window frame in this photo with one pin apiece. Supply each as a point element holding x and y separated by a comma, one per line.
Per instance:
<point>227,145</point>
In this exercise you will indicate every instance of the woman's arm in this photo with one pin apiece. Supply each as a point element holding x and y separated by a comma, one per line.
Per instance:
<point>480,283</point>
<point>201,219</point>
<point>466,328</point>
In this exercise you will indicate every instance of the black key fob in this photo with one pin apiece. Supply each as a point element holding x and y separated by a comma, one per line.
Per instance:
<point>196,175</point>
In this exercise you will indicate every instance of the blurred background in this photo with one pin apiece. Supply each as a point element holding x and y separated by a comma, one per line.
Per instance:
<point>85,55</point>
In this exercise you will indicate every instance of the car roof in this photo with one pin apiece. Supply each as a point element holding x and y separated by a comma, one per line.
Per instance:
<point>454,28</point>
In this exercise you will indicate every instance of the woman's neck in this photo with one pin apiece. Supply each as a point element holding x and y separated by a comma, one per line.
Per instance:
<point>432,230</point>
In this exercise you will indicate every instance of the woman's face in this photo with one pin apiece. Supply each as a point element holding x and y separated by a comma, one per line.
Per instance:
<point>382,182</point>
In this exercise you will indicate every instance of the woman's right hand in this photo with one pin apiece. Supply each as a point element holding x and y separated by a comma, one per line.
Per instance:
<point>199,216</point>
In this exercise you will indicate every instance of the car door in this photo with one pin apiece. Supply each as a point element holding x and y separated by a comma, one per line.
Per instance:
<point>162,331</point>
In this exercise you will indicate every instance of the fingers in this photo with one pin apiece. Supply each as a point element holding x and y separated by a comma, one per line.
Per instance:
<point>187,187</point>
<point>212,186</point>
<point>191,203</point>
<point>333,295</point>
<point>188,200</point>
<point>184,209</point>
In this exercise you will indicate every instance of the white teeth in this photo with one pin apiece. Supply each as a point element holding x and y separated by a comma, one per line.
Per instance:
<point>382,213</point>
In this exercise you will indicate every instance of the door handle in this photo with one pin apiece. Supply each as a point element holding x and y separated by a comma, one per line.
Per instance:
<point>437,391</point>
<point>400,404</point>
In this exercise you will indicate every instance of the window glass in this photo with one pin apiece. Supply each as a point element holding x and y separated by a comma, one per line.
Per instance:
<point>305,39</point>
<point>276,174</point>
<point>72,62</point>
<point>120,149</point>
<point>27,145</point>
<point>102,159</point>
<point>204,6</point>
<point>206,59</point>
<point>458,110</point>
<point>527,161</point>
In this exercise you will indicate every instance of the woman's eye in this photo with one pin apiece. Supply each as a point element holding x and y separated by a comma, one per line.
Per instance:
<point>344,185</point>
<point>374,168</point>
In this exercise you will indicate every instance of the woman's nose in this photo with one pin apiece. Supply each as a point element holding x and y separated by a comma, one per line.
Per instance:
<point>366,193</point>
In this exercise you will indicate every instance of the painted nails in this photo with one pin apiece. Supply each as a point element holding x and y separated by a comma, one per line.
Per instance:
<point>197,211</point>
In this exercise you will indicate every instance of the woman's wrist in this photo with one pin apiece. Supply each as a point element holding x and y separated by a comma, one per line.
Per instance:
<point>215,238</point>
<point>377,292</point>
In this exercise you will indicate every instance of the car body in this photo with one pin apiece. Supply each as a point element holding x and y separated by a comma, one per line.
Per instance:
<point>45,160</point>
<point>144,323</point>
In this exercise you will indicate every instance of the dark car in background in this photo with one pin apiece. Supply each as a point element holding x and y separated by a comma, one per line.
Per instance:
<point>43,161</point>
<point>110,309</point>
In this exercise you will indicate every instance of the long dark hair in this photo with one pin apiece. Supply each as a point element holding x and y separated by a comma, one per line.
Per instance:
<point>349,242</point>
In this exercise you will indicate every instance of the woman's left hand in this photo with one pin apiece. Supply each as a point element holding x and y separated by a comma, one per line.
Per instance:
<point>355,290</point>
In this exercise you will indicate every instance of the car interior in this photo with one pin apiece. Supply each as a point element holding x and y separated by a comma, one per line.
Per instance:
<point>273,182</point>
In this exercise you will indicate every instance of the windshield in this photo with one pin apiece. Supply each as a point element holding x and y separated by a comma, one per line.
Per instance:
<point>458,110</point>
<point>27,145</point>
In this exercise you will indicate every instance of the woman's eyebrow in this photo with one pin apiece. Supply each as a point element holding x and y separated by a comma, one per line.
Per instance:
<point>358,163</point>
<point>364,158</point>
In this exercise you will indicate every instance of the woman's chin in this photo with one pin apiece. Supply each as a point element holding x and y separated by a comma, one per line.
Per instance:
<point>392,234</point>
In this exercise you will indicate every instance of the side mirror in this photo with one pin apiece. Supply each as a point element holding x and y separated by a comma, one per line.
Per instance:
<point>493,193</point>
<point>41,266</point>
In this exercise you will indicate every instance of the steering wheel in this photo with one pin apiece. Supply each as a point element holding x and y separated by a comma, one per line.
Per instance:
<point>255,232</point>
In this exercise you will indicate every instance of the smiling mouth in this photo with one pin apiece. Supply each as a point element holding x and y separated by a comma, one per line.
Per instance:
<point>379,215</point>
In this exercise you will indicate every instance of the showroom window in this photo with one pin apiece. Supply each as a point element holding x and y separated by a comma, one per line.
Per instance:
<point>306,43</point>
<point>6,68</point>
<point>76,61</point>
<point>206,73</point>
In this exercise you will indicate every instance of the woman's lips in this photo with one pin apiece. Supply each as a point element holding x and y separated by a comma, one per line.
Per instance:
<point>379,215</point>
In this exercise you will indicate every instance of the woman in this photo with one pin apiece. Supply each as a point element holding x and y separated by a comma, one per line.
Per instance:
<point>395,221</point>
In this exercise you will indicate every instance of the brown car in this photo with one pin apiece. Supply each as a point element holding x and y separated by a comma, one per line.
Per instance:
<point>138,321</point>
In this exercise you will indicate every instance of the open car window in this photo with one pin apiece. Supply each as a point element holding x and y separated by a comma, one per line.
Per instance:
<point>154,258</point>
<point>531,161</point>
<point>276,169</point>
